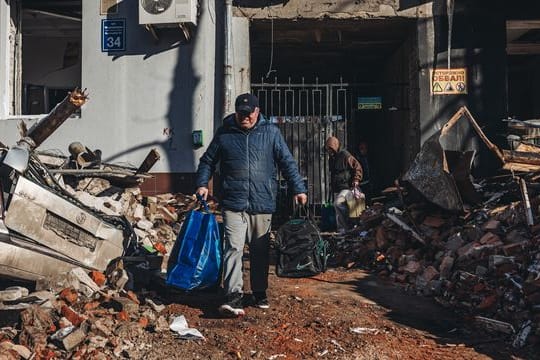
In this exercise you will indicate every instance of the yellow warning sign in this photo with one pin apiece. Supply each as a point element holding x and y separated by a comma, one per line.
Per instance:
<point>448,81</point>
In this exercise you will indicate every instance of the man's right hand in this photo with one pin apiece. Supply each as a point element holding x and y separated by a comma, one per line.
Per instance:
<point>203,191</point>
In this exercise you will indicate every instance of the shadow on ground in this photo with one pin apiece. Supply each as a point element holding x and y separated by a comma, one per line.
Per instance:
<point>443,325</point>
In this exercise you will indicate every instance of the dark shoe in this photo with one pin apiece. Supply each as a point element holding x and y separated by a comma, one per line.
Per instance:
<point>260,300</point>
<point>233,306</point>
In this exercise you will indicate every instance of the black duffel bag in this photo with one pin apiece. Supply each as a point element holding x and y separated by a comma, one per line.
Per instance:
<point>301,251</point>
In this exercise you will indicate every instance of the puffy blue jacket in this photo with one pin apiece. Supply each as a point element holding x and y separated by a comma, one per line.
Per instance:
<point>248,163</point>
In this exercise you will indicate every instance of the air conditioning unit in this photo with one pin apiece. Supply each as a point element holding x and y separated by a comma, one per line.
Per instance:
<point>167,12</point>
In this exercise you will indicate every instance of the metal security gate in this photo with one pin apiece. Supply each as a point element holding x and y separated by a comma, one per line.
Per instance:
<point>306,114</point>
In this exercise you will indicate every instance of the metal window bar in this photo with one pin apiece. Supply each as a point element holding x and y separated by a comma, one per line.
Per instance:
<point>275,102</point>
<point>289,108</point>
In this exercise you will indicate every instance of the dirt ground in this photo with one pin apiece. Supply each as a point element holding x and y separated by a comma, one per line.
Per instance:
<point>314,318</point>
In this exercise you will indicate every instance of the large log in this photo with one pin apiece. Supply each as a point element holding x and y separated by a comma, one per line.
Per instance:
<point>38,133</point>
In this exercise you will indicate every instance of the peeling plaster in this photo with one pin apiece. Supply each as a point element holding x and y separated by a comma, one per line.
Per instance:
<point>324,9</point>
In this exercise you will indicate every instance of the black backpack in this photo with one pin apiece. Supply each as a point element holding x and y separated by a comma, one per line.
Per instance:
<point>301,251</point>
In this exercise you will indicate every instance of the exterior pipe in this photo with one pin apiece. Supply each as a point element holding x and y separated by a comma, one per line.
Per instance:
<point>227,80</point>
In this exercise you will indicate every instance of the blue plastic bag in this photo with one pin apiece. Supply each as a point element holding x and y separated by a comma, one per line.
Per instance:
<point>196,255</point>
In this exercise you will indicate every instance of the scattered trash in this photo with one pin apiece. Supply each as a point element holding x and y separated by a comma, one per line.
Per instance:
<point>273,357</point>
<point>363,330</point>
<point>180,326</point>
<point>322,353</point>
<point>521,337</point>
<point>338,345</point>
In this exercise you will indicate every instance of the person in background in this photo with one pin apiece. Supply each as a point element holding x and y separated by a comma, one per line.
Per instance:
<point>345,174</point>
<point>362,156</point>
<point>249,150</point>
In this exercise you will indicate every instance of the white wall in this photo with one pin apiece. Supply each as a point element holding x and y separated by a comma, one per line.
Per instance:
<point>153,95</point>
<point>152,90</point>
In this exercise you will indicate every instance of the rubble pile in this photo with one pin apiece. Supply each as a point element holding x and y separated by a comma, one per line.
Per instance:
<point>155,219</point>
<point>78,315</point>
<point>484,261</point>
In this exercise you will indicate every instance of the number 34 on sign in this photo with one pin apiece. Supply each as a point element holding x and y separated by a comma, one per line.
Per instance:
<point>448,81</point>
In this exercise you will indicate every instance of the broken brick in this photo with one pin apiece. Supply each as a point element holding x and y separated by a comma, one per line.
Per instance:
<point>132,296</point>
<point>73,340</point>
<point>98,277</point>
<point>71,315</point>
<point>433,221</point>
<point>125,304</point>
<point>429,274</point>
<point>70,295</point>
<point>488,302</point>
<point>143,322</point>
<point>489,238</point>
<point>91,305</point>
<point>491,225</point>
<point>122,316</point>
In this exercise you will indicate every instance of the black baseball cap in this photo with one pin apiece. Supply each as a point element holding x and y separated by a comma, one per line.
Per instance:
<point>246,103</point>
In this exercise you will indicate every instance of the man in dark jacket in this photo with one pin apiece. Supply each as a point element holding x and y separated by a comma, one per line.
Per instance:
<point>249,151</point>
<point>345,174</point>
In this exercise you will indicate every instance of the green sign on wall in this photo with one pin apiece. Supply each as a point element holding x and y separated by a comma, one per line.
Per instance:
<point>370,103</point>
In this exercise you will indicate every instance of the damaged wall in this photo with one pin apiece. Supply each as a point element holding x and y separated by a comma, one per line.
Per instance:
<point>334,9</point>
<point>7,49</point>
<point>478,44</point>
<point>153,95</point>
<point>4,59</point>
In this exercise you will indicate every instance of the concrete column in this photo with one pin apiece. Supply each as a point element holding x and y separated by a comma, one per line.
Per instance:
<point>478,43</point>
<point>241,56</point>
<point>5,54</point>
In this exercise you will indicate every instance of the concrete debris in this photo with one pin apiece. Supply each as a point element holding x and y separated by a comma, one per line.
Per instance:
<point>82,231</point>
<point>473,247</point>
<point>483,261</point>
<point>110,321</point>
<point>13,293</point>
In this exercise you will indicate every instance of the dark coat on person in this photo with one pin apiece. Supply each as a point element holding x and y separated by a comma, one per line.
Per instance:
<point>248,166</point>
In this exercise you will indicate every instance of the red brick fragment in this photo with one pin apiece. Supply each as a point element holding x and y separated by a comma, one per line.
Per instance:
<point>98,277</point>
<point>70,295</point>
<point>71,315</point>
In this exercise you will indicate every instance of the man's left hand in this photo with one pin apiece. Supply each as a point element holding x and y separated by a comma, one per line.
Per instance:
<point>300,199</point>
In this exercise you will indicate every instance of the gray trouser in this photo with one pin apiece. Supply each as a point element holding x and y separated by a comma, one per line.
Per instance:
<point>242,228</point>
<point>342,211</point>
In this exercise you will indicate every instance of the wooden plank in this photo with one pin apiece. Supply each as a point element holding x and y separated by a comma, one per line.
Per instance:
<point>523,49</point>
<point>521,167</point>
<point>463,111</point>
<point>522,24</point>
<point>528,148</point>
<point>521,157</point>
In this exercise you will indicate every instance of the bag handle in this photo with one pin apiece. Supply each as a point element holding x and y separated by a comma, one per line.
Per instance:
<point>203,203</point>
<point>298,213</point>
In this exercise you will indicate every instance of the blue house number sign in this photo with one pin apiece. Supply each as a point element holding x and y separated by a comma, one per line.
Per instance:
<point>113,35</point>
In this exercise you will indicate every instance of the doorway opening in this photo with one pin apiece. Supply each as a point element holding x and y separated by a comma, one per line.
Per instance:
<point>523,56</point>
<point>353,77</point>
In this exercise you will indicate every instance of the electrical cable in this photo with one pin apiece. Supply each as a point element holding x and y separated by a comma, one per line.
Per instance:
<point>450,14</point>
<point>270,70</point>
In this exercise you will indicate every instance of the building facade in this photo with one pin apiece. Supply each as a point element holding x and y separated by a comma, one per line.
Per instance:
<point>367,64</point>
